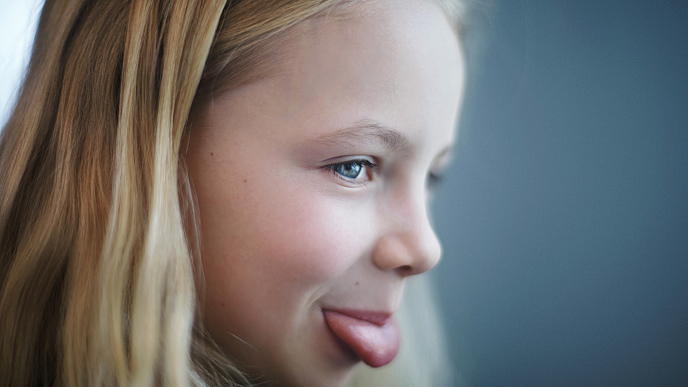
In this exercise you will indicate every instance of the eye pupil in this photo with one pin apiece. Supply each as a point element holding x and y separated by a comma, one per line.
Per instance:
<point>349,169</point>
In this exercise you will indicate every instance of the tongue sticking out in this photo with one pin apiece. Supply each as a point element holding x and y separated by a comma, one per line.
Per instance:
<point>376,342</point>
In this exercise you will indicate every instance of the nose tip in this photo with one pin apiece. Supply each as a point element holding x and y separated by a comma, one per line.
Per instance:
<point>411,250</point>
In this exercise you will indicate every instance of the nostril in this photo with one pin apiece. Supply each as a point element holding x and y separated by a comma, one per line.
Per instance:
<point>405,270</point>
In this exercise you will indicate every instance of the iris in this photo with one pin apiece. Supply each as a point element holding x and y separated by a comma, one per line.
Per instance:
<point>349,169</point>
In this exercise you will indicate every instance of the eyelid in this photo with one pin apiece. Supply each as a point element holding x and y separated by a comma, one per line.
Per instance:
<point>344,159</point>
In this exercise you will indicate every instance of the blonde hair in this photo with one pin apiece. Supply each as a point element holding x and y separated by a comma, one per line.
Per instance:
<point>97,271</point>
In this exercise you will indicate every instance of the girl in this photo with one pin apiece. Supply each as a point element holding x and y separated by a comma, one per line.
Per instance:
<point>208,192</point>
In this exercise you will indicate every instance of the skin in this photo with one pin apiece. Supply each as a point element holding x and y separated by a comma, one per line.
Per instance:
<point>284,235</point>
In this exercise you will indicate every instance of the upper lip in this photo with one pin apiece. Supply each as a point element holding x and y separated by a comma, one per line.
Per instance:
<point>375,317</point>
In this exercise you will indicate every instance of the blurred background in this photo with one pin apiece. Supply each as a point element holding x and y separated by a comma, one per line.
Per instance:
<point>18,19</point>
<point>564,218</point>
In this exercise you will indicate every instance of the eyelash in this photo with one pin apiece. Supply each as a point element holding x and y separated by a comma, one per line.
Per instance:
<point>365,165</point>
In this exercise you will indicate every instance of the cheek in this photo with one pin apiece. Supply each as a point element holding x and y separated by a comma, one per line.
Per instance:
<point>305,238</point>
<point>280,237</point>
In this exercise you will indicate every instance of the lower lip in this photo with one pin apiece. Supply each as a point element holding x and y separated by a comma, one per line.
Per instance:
<point>374,337</point>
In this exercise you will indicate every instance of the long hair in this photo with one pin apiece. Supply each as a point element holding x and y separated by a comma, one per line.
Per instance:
<point>98,263</point>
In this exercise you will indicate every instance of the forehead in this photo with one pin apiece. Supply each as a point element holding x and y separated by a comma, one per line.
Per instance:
<point>398,63</point>
<point>372,42</point>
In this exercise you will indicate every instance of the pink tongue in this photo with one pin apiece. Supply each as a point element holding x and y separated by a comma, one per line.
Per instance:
<point>375,344</point>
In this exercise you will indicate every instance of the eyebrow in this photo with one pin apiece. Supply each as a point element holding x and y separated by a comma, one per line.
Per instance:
<point>368,132</point>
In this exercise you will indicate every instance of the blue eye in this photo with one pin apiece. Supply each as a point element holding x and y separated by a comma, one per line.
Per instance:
<point>352,169</point>
<point>349,169</point>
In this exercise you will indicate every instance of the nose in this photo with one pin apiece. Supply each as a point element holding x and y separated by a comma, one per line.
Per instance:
<point>408,244</point>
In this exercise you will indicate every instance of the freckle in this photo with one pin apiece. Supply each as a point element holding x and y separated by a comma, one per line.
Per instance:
<point>245,181</point>
<point>223,304</point>
<point>211,153</point>
<point>356,282</point>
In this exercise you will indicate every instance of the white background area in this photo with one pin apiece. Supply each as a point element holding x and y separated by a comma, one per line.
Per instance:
<point>18,19</point>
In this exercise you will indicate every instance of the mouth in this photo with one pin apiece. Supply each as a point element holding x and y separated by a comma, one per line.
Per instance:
<point>374,336</point>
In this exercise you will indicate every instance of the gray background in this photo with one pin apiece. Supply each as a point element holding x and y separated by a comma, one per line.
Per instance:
<point>564,219</point>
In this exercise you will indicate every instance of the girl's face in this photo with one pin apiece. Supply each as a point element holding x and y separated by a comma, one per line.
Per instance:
<point>313,186</point>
